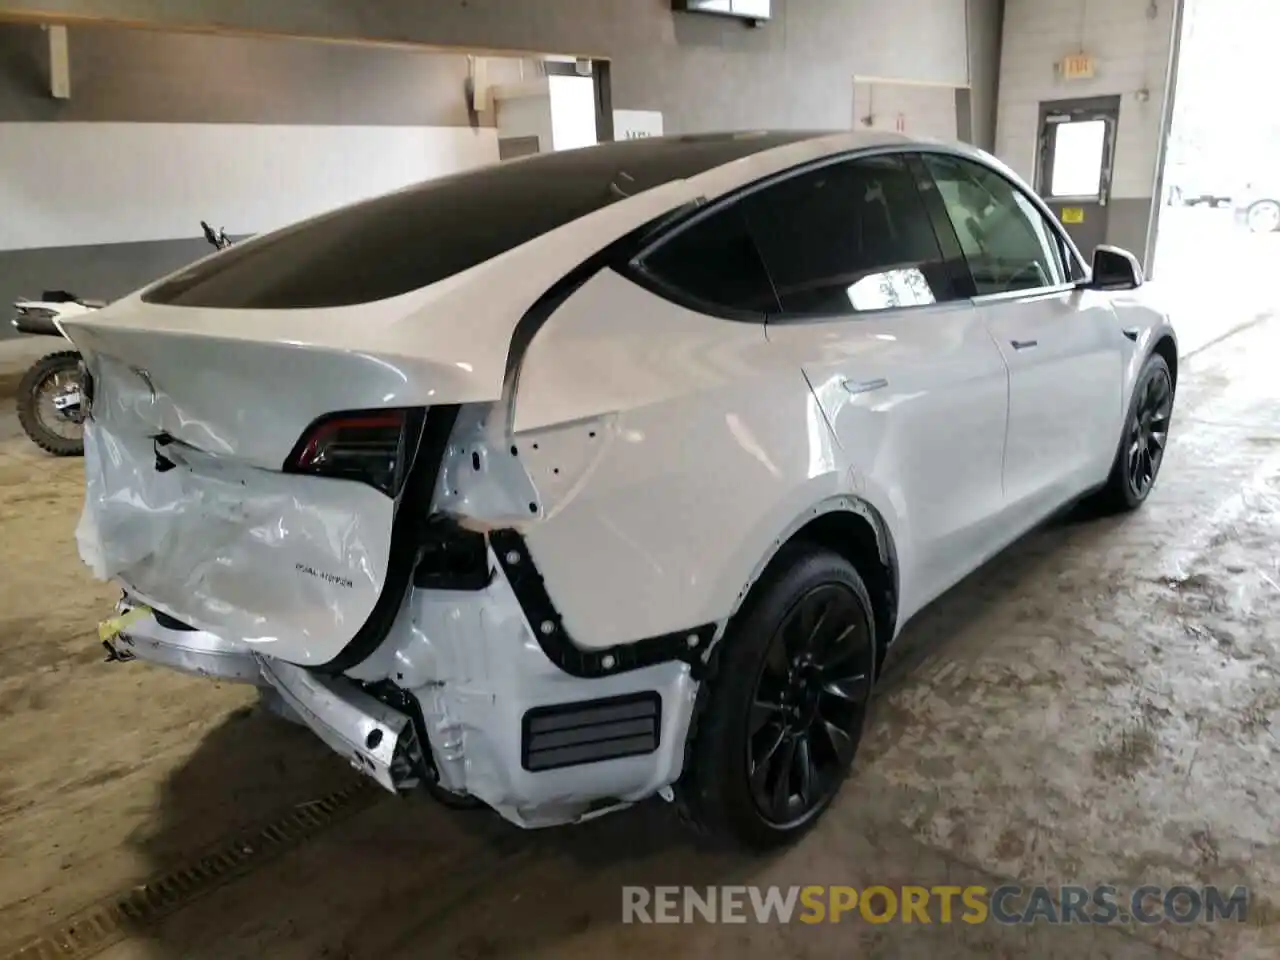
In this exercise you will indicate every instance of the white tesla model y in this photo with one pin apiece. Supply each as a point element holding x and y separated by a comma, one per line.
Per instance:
<point>571,480</point>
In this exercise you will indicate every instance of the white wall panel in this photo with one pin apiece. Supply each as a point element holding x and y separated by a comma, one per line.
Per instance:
<point>63,184</point>
<point>918,110</point>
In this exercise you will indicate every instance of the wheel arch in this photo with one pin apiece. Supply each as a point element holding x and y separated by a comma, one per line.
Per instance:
<point>855,530</point>
<point>1167,350</point>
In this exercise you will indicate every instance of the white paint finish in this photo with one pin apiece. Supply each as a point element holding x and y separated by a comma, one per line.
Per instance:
<point>218,372</point>
<point>710,442</point>
<point>1131,51</point>
<point>687,446</point>
<point>573,112</point>
<point>613,346</point>
<point>926,447</point>
<point>1065,392</point>
<point>667,455</point>
<point>66,184</point>
<point>636,124</point>
<point>291,566</point>
<point>471,659</point>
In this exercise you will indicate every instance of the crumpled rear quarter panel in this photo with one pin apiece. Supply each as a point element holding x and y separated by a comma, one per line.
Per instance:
<point>669,450</point>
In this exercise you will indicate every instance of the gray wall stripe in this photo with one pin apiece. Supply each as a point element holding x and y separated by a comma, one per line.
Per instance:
<point>102,272</point>
<point>158,77</point>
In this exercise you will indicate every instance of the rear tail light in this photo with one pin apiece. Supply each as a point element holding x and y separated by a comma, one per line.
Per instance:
<point>368,446</point>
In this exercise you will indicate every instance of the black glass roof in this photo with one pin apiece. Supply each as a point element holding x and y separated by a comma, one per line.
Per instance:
<point>422,234</point>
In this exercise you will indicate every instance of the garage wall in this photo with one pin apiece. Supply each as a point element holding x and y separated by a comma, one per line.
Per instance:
<point>917,109</point>
<point>103,192</point>
<point>701,72</point>
<point>1131,41</point>
<point>986,26</point>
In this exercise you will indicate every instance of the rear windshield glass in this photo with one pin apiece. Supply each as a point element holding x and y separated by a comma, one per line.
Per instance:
<point>414,237</point>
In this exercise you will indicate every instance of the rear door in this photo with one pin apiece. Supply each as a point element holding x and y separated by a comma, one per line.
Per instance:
<point>879,318</point>
<point>1062,344</point>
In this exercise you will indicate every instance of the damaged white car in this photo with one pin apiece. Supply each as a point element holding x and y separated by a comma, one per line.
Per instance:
<point>608,473</point>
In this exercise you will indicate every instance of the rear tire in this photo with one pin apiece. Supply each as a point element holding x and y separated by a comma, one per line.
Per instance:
<point>454,801</point>
<point>778,725</point>
<point>30,390</point>
<point>1143,440</point>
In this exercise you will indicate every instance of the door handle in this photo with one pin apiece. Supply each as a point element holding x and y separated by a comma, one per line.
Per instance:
<point>1131,333</point>
<point>864,386</point>
<point>1024,344</point>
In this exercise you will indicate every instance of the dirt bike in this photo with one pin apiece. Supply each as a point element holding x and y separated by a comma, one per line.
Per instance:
<point>49,394</point>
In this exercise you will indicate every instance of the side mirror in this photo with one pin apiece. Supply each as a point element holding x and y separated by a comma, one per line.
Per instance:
<point>1114,269</point>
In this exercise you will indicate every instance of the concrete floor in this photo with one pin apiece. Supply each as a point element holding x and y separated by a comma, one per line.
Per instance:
<point>1098,705</point>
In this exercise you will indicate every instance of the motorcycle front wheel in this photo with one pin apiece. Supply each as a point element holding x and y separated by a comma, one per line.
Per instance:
<point>60,432</point>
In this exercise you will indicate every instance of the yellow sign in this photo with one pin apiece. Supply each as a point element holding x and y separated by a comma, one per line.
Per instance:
<point>1072,215</point>
<point>1077,66</point>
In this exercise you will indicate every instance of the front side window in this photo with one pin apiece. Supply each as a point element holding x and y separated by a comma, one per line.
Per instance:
<point>714,263</point>
<point>1005,238</point>
<point>849,237</point>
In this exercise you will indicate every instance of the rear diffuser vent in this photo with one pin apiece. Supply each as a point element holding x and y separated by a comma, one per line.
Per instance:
<point>569,734</point>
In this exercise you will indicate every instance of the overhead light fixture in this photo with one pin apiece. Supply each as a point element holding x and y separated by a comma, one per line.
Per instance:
<point>750,11</point>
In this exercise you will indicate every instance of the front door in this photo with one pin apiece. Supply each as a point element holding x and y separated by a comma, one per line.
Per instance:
<point>899,360</point>
<point>1062,344</point>
<point>1077,149</point>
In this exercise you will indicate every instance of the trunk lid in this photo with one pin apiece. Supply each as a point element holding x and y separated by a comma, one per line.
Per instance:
<point>189,503</point>
<point>195,409</point>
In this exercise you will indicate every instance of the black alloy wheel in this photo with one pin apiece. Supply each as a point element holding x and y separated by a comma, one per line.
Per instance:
<point>810,701</point>
<point>1143,441</point>
<point>778,721</point>
<point>1149,432</point>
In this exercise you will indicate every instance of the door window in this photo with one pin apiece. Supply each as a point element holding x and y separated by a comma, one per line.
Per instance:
<point>1079,152</point>
<point>713,264</point>
<point>1006,240</point>
<point>849,237</point>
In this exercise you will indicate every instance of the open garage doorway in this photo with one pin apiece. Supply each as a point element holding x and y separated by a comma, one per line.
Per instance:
<point>1217,248</point>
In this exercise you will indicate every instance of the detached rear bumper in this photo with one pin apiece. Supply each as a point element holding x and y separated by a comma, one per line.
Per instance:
<point>187,651</point>
<point>464,698</point>
<point>378,740</point>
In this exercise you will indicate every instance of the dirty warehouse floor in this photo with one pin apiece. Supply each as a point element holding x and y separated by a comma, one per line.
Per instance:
<point>1100,704</point>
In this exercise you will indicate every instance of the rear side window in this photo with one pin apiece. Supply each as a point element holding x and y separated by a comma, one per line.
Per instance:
<point>714,264</point>
<point>849,237</point>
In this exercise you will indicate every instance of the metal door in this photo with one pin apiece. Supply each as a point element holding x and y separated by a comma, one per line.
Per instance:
<point>1077,150</point>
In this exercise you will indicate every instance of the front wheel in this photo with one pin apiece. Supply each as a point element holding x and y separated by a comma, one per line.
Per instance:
<point>783,715</point>
<point>43,393</point>
<point>1143,440</point>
